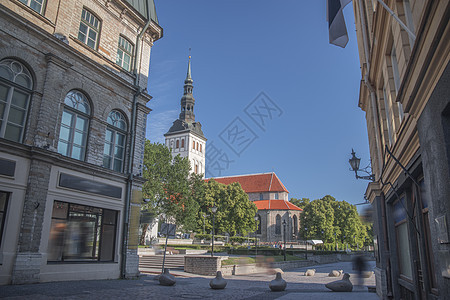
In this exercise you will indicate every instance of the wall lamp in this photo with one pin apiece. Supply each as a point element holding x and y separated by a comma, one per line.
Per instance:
<point>354,163</point>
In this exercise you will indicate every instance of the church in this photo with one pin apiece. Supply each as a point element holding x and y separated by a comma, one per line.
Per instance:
<point>185,137</point>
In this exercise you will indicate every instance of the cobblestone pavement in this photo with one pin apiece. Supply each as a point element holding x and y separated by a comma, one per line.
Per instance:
<point>189,286</point>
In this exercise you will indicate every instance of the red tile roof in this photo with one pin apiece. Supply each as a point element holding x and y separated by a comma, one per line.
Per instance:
<point>256,183</point>
<point>276,205</point>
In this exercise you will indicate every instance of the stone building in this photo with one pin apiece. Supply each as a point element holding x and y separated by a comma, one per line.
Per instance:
<point>274,209</point>
<point>73,79</point>
<point>405,93</point>
<point>185,137</point>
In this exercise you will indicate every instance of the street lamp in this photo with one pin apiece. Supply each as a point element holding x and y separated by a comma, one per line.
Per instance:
<point>284,238</point>
<point>213,210</point>
<point>306,236</point>
<point>204,222</point>
<point>354,164</point>
<point>256,237</point>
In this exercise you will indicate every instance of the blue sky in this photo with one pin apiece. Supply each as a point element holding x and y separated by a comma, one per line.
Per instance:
<point>280,48</point>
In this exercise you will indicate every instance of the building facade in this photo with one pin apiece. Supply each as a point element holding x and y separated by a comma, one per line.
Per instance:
<point>405,93</point>
<point>277,217</point>
<point>73,79</point>
<point>185,137</point>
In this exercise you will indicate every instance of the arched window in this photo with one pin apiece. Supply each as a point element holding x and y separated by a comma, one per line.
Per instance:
<point>278,225</point>
<point>200,147</point>
<point>197,146</point>
<point>182,143</point>
<point>196,169</point>
<point>258,231</point>
<point>193,145</point>
<point>74,125</point>
<point>178,144</point>
<point>15,93</point>
<point>115,138</point>
<point>295,225</point>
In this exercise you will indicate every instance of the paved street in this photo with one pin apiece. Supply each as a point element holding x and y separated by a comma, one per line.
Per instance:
<point>191,286</point>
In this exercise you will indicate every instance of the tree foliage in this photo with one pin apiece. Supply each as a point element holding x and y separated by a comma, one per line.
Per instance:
<point>235,213</point>
<point>334,222</point>
<point>301,203</point>
<point>170,188</point>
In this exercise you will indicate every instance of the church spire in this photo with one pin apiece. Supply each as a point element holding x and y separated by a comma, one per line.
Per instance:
<point>188,101</point>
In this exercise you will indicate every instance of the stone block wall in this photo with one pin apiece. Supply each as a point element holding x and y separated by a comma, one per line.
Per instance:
<point>202,265</point>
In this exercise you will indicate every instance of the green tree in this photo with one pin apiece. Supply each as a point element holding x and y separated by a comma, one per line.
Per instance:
<point>235,213</point>
<point>169,187</point>
<point>301,203</point>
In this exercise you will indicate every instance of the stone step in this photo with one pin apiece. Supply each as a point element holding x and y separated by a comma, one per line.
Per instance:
<point>155,261</point>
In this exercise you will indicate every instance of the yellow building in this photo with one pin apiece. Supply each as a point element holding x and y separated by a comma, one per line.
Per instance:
<point>405,93</point>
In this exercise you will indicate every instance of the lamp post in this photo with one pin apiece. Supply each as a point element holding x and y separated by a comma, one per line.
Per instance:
<point>354,164</point>
<point>284,238</point>
<point>256,237</point>
<point>335,241</point>
<point>213,210</point>
<point>204,222</point>
<point>306,236</point>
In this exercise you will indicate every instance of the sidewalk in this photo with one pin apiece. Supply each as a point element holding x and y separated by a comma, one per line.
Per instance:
<point>190,286</point>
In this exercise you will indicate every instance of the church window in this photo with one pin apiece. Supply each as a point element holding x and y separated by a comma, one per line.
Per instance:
<point>74,125</point>
<point>258,231</point>
<point>278,224</point>
<point>295,225</point>
<point>36,5</point>
<point>182,143</point>
<point>15,93</point>
<point>114,151</point>
<point>124,53</point>
<point>89,29</point>
<point>197,146</point>
<point>193,145</point>
<point>178,144</point>
<point>200,147</point>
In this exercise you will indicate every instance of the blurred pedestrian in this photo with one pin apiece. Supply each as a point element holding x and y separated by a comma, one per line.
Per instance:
<point>360,265</point>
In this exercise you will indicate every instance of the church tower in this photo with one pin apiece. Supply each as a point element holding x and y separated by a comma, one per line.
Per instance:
<point>185,137</point>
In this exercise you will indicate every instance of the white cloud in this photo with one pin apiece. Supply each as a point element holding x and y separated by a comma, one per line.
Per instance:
<point>158,124</point>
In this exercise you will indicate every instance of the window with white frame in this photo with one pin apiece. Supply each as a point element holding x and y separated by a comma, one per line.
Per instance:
<point>36,5</point>
<point>80,233</point>
<point>124,53</point>
<point>89,29</point>
<point>15,92</point>
<point>74,125</point>
<point>115,138</point>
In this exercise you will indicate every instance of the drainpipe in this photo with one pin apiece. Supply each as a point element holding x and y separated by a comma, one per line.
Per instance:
<point>126,211</point>
<point>370,87</point>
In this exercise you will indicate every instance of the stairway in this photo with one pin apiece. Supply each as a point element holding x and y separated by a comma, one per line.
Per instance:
<point>155,262</point>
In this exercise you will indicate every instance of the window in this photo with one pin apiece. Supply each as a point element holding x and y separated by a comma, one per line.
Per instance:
<point>261,196</point>
<point>89,29</point>
<point>200,147</point>
<point>258,231</point>
<point>81,233</point>
<point>196,169</point>
<point>295,225</point>
<point>387,108</point>
<point>36,5</point>
<point>276,197</point>
<point>197,146</point>
<point>397,82</point>
<point>15,93</point>
<point>3,205</point>
<point>182,143</point>
<point>114,151</point>
<point>401,229</point>
<point>124,53</point>
<point>278,224</point>
<point>409,20</point>
<point>74,126</point>
<point>193,145</point>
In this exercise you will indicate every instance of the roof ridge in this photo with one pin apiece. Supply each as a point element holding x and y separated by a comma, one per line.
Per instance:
<point>243,175</point>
